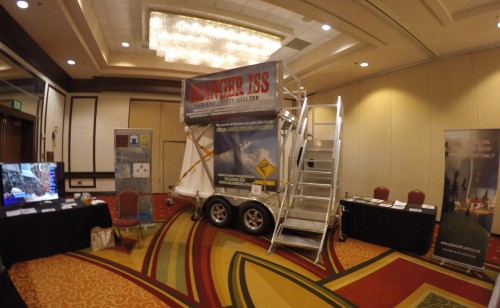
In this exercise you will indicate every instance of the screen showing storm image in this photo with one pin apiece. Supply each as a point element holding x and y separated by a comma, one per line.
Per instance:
<point>246,153</point>
<point>29,182</point>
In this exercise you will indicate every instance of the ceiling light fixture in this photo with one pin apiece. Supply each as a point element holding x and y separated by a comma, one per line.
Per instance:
<point>125,44</point>
<point>71,62</point>
<point>363,64</point>
<point>22,4</point>
<point>326,27</point>
<point>198,41</point>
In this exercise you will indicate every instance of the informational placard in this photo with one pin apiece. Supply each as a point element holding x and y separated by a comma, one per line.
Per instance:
<point>133,154</point>
<point>470,185</point>
<point>249,91</point>
<point>246,154</point>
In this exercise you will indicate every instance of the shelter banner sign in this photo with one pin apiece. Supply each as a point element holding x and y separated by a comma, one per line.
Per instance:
<point>246,153</point>
<point>470,188</point>
<point>249,91</point>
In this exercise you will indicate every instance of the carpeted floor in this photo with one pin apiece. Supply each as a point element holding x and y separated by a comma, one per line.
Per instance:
<point>185,263</point>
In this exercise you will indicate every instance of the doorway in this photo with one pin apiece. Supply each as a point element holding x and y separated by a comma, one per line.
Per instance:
<point>16,136</point>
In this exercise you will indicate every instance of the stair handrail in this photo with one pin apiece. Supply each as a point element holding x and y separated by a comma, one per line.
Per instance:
<point>335,180</point>
<point>298,132</point>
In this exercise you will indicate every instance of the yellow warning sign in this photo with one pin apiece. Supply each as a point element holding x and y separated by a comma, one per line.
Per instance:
<point>264,168</point>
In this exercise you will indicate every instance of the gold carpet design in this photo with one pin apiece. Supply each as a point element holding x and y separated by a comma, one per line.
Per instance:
<point>185,263</point>
<point>63,281</point>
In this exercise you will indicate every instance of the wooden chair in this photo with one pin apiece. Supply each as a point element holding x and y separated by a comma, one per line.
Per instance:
<point>381,193</point>
<point>127,215</point>
<point>416,197</point>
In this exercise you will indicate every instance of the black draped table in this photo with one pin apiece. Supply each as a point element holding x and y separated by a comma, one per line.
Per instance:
<point>29,236</point>
<point>409,229</point>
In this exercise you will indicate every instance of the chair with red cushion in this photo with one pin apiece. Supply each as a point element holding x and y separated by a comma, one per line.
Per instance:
<point>381,193</point>
<point>416,197</point>
<point>127,215</point>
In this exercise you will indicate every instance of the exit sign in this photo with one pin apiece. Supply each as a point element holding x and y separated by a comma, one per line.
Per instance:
<point>16,104</point>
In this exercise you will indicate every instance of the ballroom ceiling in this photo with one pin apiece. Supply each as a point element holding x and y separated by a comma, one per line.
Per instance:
<point>387,34</point>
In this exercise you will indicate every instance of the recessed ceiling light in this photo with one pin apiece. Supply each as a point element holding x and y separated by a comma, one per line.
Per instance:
<point>125,44</point>
<point>71,62</point>
<point>363,64</point>
<point>22,4</point>
<point>498,24</point>
<point>326,27</point>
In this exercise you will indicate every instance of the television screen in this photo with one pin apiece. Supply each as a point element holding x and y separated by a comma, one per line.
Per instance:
<point>29,182</point>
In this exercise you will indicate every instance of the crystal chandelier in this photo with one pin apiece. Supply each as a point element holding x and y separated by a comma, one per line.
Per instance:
<point>193,40</point>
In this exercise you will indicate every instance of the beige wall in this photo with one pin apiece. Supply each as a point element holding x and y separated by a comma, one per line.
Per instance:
<point>394,123</point>
<point>85,151</point>
<point>168,138</point>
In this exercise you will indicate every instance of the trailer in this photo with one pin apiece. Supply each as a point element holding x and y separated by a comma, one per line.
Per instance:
<point>256,151</point>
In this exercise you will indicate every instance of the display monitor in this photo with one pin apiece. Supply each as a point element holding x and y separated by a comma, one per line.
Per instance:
<point>29,183</point>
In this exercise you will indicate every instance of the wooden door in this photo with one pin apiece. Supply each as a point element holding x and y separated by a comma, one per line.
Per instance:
<point>12,140</point>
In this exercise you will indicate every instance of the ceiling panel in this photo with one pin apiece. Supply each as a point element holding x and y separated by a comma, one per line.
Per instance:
<point>386,33</point>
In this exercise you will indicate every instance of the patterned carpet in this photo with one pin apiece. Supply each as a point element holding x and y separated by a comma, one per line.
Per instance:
<point>185,263</point>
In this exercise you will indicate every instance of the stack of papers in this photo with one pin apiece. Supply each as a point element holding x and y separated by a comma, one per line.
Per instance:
<point>28,211</point>
<point>67,206</point>
<point>13,213</point>
<point>385,204</point>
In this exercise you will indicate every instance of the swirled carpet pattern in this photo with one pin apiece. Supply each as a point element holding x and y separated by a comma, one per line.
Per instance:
<point>186,263</point>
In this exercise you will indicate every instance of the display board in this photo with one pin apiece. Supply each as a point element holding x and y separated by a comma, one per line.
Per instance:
<point>470,184</point>
<point>249,91</point>
<point>133,152</point>
<point>246,153</point>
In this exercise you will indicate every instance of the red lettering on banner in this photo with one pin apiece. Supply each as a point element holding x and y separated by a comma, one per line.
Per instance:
<point>222,88</point>
<point>265,82</point>
<point>250,83</point>
<point>194,93</point>
<point>239,85</point>
<point>227,87</point>
<point>230,87</point>
<point>214,88</point>
<point>258,83</point>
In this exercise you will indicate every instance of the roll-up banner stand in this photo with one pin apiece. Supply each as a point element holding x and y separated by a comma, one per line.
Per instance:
<point>133,154</point>
<point>469,197</point>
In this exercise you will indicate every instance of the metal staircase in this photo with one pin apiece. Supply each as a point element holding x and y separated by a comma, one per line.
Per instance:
<point>311,198</point>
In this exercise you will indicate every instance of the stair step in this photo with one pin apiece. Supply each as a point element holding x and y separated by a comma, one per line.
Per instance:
<point>317,160</point>
<point>326,172</point>
<point>304,225</point>
<point>311,197</point>
<point>319,150</point>
<point>298,241</point>
<point>314,184</point>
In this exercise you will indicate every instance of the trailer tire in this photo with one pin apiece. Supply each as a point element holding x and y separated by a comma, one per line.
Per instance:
<point>219,212</point>
<point>255,218</point>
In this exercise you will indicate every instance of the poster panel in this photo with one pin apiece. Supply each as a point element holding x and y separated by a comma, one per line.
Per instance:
<point>246,153</point>
<point>469,197</point>
<point>133,150</point>
<point>249,91</point>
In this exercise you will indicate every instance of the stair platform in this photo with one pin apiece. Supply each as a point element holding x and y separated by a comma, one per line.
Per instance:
<point>304,225</point>
<point>298,241</point>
